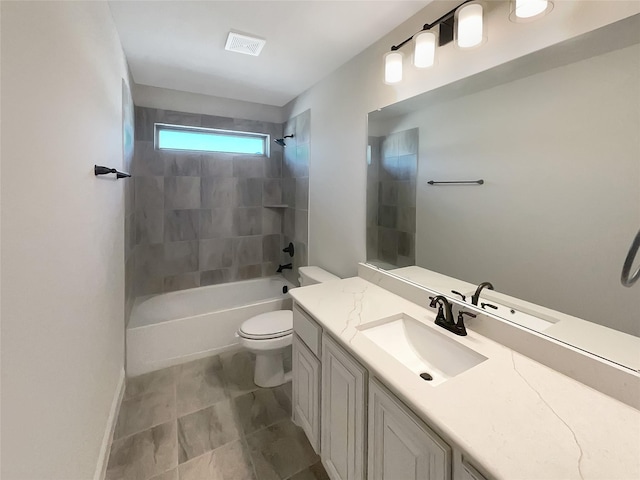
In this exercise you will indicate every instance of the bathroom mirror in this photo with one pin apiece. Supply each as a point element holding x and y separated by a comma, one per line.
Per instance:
<point>555,138</point>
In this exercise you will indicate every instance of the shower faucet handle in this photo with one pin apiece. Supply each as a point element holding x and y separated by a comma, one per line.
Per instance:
<point>289,249</point>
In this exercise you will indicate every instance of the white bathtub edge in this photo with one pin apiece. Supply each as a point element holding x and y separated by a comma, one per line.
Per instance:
<point>146,367</point>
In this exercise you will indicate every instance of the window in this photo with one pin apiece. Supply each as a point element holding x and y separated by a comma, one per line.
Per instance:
<point>176,137</point>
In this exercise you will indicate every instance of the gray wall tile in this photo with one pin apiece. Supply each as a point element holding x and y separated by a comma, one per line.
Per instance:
<point>149,260</point>
<point>248,272</point>
<point>181,282</point>
<point>388,245</point>
<point>407,194</point>
<point>289,222</point>
<point>271,191</point>
<point>271,248</point>
<point>216,253</point>
<point>407,142</point>
<point>144,119</point>
<point>271,220</point>
<point>289,191</point>
<point>406,219</point>
<point>249,192</point>
<point>205,207</point>
<point>218,192</point>
<point>181,164</point>
<point>389,146</point>
<point>247,221</point>
<point>178,118</point>
<point>273,165</point>
<point>222,123</point>
<point>387,216</point>
<point>181,192</point>
<point>216,223</point>
<point>303,124</point>
<point>269,269</point>
<point>407,167</point>
<point>129,235</point>
<point>301,166</point>
<point>181,225</point>
<point>302,193</point>
<point>248,166</point>
<point>301,226</point>
<point>149,192</point>
<point>180,257</point>
<point>215,277</point>
<point>149,226</point>
<point>146,160</point>
<point>247,251</point>
<point>388,193</point>
<point>406,244</point>
<point>219,165</point>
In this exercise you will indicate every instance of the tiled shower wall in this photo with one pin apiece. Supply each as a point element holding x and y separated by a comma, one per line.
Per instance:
<point>391,214</point>
<point>200,219</point>
<point>295,191</point>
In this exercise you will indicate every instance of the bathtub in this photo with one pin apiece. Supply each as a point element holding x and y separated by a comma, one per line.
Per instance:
<point>177,327</point>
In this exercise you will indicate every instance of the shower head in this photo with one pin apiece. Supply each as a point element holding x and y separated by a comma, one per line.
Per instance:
<point>280,141</point>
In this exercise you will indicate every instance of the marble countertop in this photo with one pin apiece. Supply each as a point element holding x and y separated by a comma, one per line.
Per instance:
<point>516,418</point>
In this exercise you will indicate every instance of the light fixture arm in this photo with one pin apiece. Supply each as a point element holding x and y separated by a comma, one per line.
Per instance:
<point>444,19</point>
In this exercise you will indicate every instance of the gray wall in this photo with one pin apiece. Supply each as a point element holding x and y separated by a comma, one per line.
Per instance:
<point>559,152</point>
<point>391,198</point>
<point>200,218</point>
<point>295,191</point>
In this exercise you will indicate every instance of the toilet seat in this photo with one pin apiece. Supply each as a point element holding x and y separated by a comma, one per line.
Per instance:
<point>268,325</point>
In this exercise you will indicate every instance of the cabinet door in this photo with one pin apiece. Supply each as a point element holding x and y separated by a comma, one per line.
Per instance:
<point>343,413</point>
<point>401,447</point>
<point>306,397</point>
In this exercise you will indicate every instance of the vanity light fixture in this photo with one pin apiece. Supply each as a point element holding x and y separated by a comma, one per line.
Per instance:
<point>425,41</point>
<point>469,25</point>
<point>393,67</point>
<point>465,23</point>
<point>529,10</point>
<point>424,52</point>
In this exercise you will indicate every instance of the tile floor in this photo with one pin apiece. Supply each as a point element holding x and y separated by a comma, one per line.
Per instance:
<point>208,420</point>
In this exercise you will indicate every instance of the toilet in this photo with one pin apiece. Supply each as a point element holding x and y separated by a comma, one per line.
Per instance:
<point>268,335</point>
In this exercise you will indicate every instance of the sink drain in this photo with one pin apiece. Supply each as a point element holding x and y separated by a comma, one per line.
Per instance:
<point>426,376</point>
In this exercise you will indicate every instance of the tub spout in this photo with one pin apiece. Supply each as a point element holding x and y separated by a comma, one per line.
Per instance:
<point>288,266</point>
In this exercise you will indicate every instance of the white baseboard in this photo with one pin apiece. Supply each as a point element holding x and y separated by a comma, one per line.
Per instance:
<point>103,459</point>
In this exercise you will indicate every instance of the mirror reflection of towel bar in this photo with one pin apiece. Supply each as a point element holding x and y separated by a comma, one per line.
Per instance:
<point>457,182</point>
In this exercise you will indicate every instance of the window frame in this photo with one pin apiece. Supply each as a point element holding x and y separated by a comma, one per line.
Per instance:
<point>265,137</point>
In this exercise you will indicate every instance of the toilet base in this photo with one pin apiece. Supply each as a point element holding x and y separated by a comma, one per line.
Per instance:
<point>269,370</point>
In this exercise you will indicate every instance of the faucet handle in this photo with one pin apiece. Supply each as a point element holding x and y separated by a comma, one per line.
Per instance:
<point>460,328</point>
<point>490,305</point>
<point>464,298</point>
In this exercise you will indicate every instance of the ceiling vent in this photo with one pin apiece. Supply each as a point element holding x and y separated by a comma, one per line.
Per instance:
<point>239,43</point>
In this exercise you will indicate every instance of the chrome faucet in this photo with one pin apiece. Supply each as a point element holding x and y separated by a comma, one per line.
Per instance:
<point>476,296</point>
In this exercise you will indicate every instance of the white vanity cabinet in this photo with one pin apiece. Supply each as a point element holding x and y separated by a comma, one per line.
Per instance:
<point>343,413</point>
<point>401,446</point>
<point>306,375</point>
<point>360,429</point>
<point>306,394</point>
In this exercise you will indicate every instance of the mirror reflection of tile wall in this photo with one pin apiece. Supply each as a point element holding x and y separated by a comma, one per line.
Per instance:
<point>391,199</point>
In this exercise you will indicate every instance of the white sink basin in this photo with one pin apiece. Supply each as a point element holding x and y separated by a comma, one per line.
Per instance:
<point>420,348</point>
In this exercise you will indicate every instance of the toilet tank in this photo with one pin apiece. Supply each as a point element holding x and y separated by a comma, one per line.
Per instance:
<point>312,275</point>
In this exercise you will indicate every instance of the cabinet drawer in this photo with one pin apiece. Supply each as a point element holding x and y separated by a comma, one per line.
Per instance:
<point>307,329</point>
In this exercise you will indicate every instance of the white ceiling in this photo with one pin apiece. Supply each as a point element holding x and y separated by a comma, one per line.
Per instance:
<point>180,44</point>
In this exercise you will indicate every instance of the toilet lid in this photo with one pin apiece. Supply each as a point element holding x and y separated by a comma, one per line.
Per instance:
<point>268,325</point>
